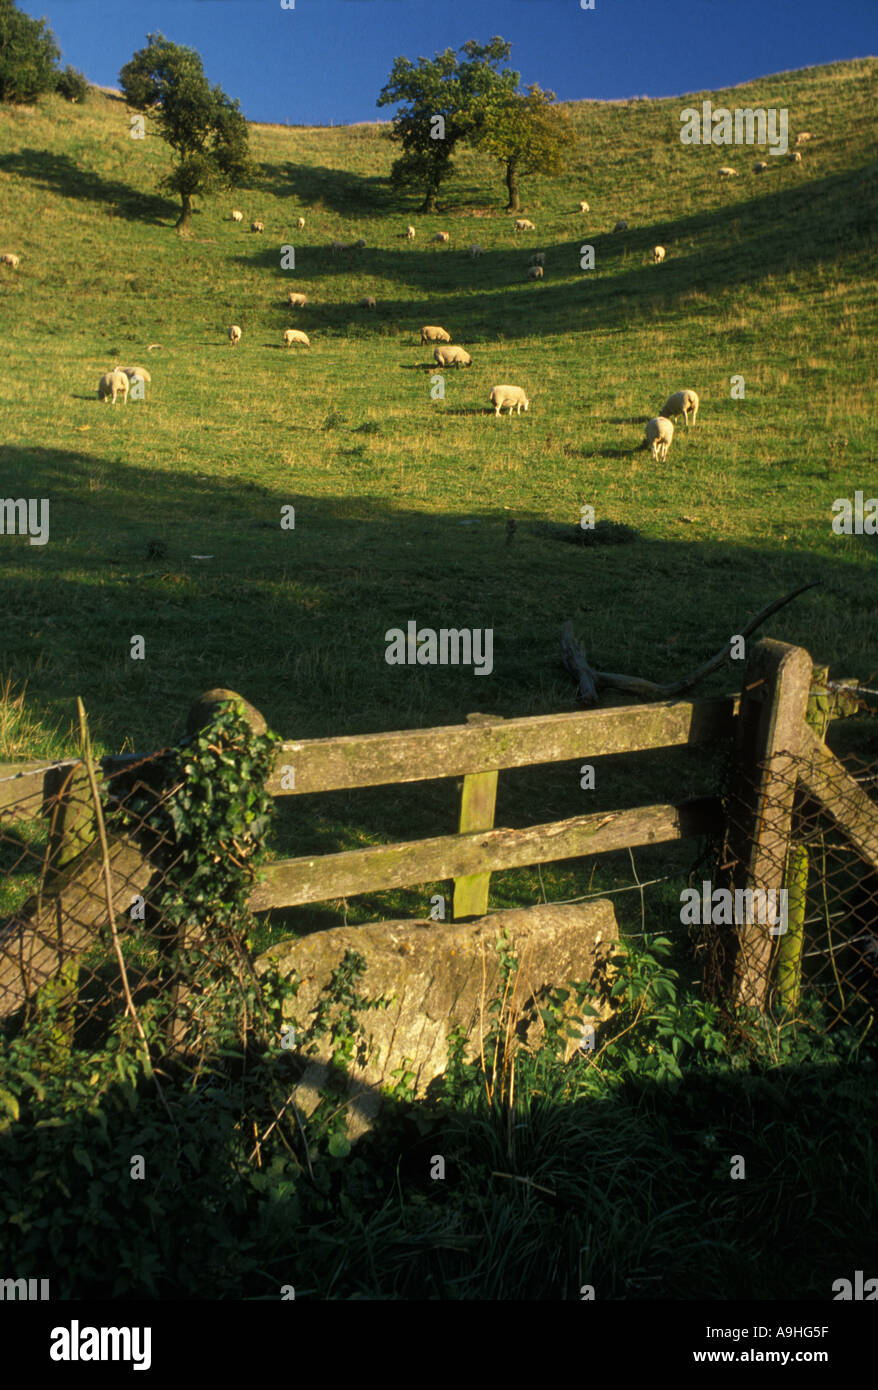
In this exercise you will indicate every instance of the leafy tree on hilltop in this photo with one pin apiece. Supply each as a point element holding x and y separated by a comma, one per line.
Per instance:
<point>205,128</point>
<point>457,92</point>
<point>527,134</point>
<point>28,54</point>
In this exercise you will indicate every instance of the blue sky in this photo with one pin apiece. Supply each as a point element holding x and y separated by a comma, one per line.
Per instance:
<point>326,60</point>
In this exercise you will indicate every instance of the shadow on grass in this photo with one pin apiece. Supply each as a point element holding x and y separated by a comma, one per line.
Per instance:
<point>61,175</point>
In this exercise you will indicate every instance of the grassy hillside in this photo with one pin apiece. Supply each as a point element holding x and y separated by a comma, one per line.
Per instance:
<point>401,501</point>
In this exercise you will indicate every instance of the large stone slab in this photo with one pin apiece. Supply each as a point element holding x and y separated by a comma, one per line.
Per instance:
<point>438,975</point>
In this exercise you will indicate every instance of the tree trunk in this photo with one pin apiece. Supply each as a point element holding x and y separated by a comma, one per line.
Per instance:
<point>429,203</point>
<point>512,185</point>
<point>185,217</point>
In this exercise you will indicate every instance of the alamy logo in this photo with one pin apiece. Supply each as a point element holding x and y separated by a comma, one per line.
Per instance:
<point>722,907</point>
<point>450,646</point>
<point>857,518</point>
<point>745,126</point>
<point>102,1344</point>
<point>25,516</point>
<point>23,1289</point>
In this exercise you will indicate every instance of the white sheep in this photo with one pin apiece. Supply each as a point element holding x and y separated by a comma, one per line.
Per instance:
<point>538,258</point>
<point>621,226</point>
<point>234,335</point>
<point>237,216</point>
<point>111,383</point>
<point>297,300</point>
<point>136,373</point>
<point>475,250</point>
<point>410,232</point>
<point>795,156</point>
<point>523,224</point>
<point>659,433</point>
<point>658,254</point>
<point>584,207</point>
<point>535,272</point>
<point>442,236</point>
<point>368,301</point>
<point>452,357</point>
<point>257,226</point>
<point>727,173</point>
<point>294,335</point>
<point>680,404</point>
<point>300,222</point>
<point>9,258</point>
<point>431,334</point>
<point>511,396</point>
<point>760,166</point>
<point>802,136</point>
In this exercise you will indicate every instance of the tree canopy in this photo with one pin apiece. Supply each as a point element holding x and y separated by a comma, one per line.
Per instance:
<point>204,127</point>
<point>28,54</point>
<point>527,134</point>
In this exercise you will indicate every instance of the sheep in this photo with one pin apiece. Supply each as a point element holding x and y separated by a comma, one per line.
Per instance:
<point>476,251</point>
<point>658,254</point>
<point>294,335</point>
<point>452,357</point>
<point>111,383</point>
<point>136,373</point>
<point>621,226</point>
<point>535,272</point>
<point>727,173</point>
<point>760,166</point>
<point>368,301</point>
<point>584,207</point>
<point>257,226</point>
<point>300,222</point>
<point>659,433</point>
<point>234,335</point>
<point>442,236</point>
<point>795,156</point>
<point>538,258</point>
<point>680,404</point>
<point>523,224</point>
<point>511,396</point>
<point>237,216</point>
<point>9,258</point>
<point>431,334</point>
<point>357,245</point>
<point>802,136</point>
<point>297,301</point>
<point>410,233</point>
<point>337,246</point>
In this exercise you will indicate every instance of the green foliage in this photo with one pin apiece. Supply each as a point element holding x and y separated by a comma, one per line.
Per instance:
<point>528,135</point>
<point>205,128</point>
<point>72,85</point>
<point>28,54</point>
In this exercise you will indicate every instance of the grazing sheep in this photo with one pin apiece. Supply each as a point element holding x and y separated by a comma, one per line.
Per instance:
<point>680,404</point>
<point>659,433</point>
<point>452,357</point>
<point>257,226</point>
<point>8,258</point>
<point>621,226</point>
<point>136,373</point>
<point>658,254</point>
<point>727,173</point>
<point>410,232</point>
<point>234,335</point>
<point>111,383</point>
<point>584,207</point>
<point>442,236</point>
<point>535,272</point>
<point>297,301</point>
<point>357,245</point>
<point>795,156</point>
<point>300,222</point>
<point>431,334</point>
<point>523,224</point>
<point>538,258</point>
<point>802,136</point>
<point>237,216</point>
<point>368,301</point>
<point>760,166</point>
<point>337,246</point>
<point>511,396</point>
<point>476,250</point>
<point>294,335</point>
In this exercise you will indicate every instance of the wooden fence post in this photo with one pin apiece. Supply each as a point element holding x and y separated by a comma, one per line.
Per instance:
<point>477,804</point>
<point>774,699</point>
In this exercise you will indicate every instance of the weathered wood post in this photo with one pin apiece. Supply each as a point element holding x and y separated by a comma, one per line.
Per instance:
<point>774,699</point>
<point>477,805</point>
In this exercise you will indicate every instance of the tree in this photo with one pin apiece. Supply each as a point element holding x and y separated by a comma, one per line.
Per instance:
<point>527,134</point>
<point>446,102</point>
<point>28,54</point>
<point>205,128</point>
